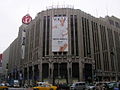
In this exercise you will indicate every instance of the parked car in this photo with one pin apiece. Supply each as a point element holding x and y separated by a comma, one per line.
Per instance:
<point>78,86</point>
<point>44,86</point>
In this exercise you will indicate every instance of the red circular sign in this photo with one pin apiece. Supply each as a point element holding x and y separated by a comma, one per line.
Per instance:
<point>26,19</point>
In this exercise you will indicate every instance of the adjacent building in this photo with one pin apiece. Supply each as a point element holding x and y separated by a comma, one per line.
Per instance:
<point>1,55</point>
<point>5,64</point>
<point>64,45</point>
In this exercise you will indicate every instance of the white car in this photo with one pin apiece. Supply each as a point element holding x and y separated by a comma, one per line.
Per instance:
<point>90,87</point>
<point>16,83</point>
<point>78,86</point>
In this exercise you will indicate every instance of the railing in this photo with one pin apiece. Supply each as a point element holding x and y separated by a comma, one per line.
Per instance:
<point>60,6</point>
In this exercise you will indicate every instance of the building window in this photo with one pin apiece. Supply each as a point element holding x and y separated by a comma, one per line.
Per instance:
<point>105,61</point>
<point>95,36</point>
<point>48,31</point>
<point>55,53</point>
<point>44,32</point>
<point>37,33</point>
<point>83,28</point>
<point>97,61</point>
<point>103,37</point>
<point>72,34</point>
<point>110,38</point>
<point>76,36</point>
<point>117,44</point>
<point>117,24</point>
<point>86,37</point>
<point>111,22</point>
<point>111,46</point>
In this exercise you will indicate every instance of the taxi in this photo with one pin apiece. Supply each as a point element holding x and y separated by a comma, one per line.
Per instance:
<point>3,87</point>
<point>44,86</point>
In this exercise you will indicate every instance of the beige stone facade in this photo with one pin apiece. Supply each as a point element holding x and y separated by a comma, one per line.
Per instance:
<point>93,49</point>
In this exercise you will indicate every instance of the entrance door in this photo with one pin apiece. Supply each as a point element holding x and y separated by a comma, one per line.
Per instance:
<point>88,72</point>
<point>36,73</point>
<point>45,71</point>
<point>60,73</point>
<point>75,72</point>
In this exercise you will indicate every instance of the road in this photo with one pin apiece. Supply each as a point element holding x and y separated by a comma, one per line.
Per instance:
<point>20,89</point>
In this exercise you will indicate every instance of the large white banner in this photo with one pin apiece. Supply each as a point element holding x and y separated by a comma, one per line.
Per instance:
<point>60,34</point>
<point>23,44</point>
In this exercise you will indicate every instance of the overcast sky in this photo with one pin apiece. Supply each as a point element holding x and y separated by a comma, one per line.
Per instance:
<point>11,12</point>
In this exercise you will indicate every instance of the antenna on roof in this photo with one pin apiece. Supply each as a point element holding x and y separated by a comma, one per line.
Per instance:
<point>107,10</point>
<point>96,12</point>
<point>28,10</point>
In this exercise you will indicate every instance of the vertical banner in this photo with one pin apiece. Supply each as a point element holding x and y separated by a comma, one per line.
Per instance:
<point>1,55</point>
<point>25,20</point>
<point>23,44</point>
<point>60,34</point>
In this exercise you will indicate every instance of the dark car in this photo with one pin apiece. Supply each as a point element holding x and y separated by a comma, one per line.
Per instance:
<point>63,87</point>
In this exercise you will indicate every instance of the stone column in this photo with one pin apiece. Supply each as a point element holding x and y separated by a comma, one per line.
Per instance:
<point>51,72</point>
<point>23,76</point>
<point>28,73</point>
<point>81,70</point>
<point>33,72</point>
<point>69,70</point>
<point>52,68</point>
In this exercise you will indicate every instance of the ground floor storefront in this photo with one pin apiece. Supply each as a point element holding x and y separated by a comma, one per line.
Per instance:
<point>55,72</point>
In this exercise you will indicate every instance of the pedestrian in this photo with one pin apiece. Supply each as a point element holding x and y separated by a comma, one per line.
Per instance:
<point>98,87</point>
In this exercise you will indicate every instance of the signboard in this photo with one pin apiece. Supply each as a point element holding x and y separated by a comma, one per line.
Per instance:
<point>60,34</point>
<point>26,19</point>
<point>23,44</point>
<point>1,60</point>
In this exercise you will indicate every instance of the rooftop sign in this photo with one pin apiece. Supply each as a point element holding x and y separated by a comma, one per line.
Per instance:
<point>26,19</point>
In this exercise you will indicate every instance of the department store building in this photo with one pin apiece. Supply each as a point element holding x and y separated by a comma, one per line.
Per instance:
<point>65,45</point>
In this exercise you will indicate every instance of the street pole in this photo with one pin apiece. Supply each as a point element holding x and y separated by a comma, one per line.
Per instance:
<point>58,72</point>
